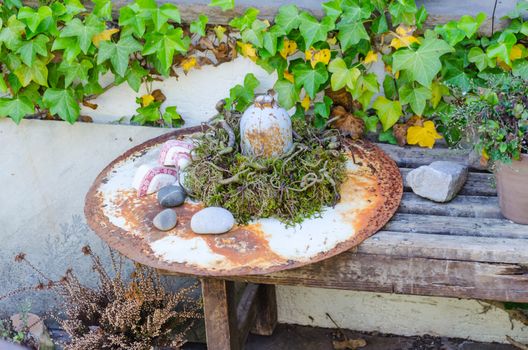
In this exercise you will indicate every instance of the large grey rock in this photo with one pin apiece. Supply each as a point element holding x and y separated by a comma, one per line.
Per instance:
<point>439,181</point>
<point>165,220</point>
<point>212,220</point>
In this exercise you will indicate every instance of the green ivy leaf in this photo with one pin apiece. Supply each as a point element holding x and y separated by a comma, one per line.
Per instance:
<point>84,32</point>
<point>451,33</point>
<point>37,72</point>
<point>312,30</point>
<point>62,103</point>
<point>3,85</point>
<point>350,34</point>
<point>165,45</point>
<point>387,136</point>
<point>403,11</point>
<point>103,9</point>
<point>424,63</point>
<point>520,69</point>
<point>30,49</point>
<point>16,108</point>
<point>322,109</point>
<point>520,8</point>
<point>254,34</point>
<point>480,59</point>
<point>11,35</point>
<point>310,79</point>
<point>241,96</point>
<point>389,87</point>
<point>32,18</point>
<point>130,21</point>
<point>502,48</point>
<point>288,18</point>
<point>371,123</point>
<point>469,25</point>
<point>13,3</point>
<point>332,8</point>
<point>69,46</point>
<point>223,4</point>
<point>454,73</point>
<point>342,75</point>
<point>389,112</point>
<point>288,93</point>
<point>416,97</point>
<point>160,15</point>
<point>118,53</point>
<point>73,8</point>
<point>135,75</point>
<point>198,26</point>
<point>243,22</point>
<point>75,70</point>
<point>380,25</point>
<point>172,118</point>
<point>421,16</point>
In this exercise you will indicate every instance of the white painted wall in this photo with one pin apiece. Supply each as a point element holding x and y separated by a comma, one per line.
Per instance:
<point>397,314</point>
<point>47,167</point>
<point>194,94</point>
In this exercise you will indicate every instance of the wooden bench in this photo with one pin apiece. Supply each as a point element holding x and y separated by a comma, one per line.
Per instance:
<point>462,249</point>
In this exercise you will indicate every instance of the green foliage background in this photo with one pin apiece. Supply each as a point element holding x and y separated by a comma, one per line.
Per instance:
<point>50,62</point>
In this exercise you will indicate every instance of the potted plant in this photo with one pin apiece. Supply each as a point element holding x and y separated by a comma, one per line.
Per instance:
<point>496,116</point>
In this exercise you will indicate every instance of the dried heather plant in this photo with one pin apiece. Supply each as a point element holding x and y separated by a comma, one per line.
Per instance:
<point>138,314</point>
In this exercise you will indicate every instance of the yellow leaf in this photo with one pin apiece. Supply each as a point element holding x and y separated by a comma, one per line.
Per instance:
<point>289,48</point>
<point>147,99</point>
<point>288,76</point>
<point>371,57</point>
<point>188,63</point>
<point>517,52</point>
<point>316,56</point>
<point>388,69</point>
<point>247,50</point>
<point>403,37</point>
<point>485,154</point>
<point>266,22</point>
<point>331,41</point>
<point>437,91</point>
<point>424,136</point>
<point>105,35</point>
<point>219,31</point>
<point>503,64</point>
<point>305,103</point>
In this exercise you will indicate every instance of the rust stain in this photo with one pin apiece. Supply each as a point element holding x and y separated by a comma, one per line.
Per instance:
<point>267,142</point>
<point>377,181</point>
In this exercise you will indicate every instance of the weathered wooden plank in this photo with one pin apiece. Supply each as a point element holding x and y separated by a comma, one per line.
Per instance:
<point>458,226</point>
<point>220,314</point>
<point>421,276</point>
<point>467,206</point>
<point>412,157</point>
<point>446,247</point>
<point>267,317</point>
<point>477,184</point>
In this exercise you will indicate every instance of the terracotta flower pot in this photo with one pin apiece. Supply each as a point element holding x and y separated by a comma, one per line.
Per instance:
<point>512,186</point>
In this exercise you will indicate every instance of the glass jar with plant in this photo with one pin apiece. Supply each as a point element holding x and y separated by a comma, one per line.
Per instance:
<point>495,114</point>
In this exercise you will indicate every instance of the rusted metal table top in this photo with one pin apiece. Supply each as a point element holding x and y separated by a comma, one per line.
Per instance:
<point>370,196</point>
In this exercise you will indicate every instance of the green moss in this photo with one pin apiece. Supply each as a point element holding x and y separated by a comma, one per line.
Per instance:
<point>290,188</point>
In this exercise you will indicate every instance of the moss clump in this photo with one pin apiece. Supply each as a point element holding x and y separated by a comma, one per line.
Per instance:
<point>291,187</point>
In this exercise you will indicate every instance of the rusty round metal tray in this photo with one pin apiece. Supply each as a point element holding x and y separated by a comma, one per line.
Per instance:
<point>370,196</point>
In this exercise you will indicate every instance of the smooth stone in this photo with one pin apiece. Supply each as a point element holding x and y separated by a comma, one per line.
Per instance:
<point>165,220</point>
<point>171,196</point>
<point>439,181</point>
<point>212,220</point>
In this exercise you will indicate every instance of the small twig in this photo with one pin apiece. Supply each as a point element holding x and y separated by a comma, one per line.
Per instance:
<point>516,343</point>
<point>493,17</point>
<point>233,179</point>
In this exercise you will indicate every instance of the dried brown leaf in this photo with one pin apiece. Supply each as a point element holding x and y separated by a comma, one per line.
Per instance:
<point>349,344</point>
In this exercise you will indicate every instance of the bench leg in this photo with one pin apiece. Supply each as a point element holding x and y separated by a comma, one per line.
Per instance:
<point>227,324</point>
<point>266,319</point>
<point>220,314</point>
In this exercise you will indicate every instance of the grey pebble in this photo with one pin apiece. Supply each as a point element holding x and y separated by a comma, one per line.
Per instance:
<point>212,220</point>
<point>171,196</point>
<point>165,220</point>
